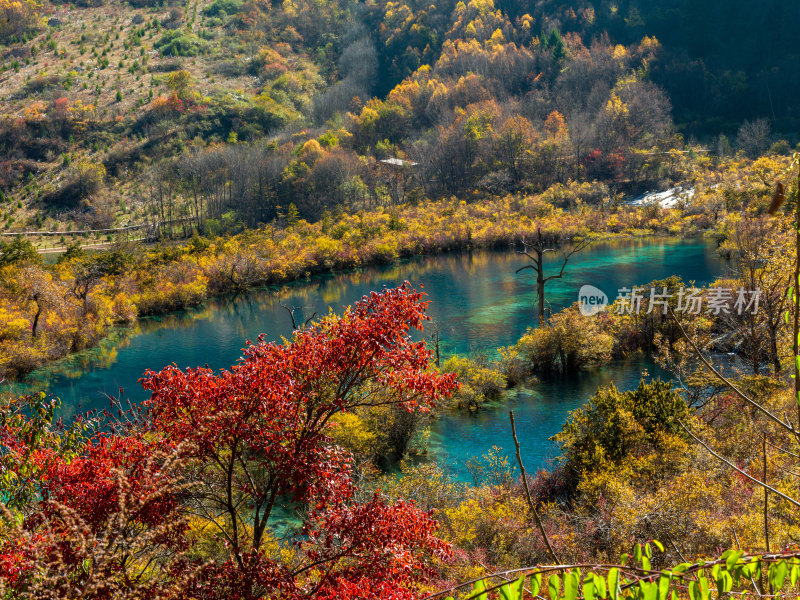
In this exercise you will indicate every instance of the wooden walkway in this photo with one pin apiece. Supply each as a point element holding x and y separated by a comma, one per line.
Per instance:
<point>74,232</point>
<point>149,234</point>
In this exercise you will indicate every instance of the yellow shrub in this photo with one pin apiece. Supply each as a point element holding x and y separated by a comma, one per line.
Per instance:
<point>18,17</point>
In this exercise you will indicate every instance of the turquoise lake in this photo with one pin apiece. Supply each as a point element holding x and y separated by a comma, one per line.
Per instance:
<point>476,300</point>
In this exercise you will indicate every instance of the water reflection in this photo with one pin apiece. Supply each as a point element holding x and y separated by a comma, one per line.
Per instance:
<point>476,300</point>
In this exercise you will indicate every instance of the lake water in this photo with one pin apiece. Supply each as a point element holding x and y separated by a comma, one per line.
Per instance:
<point>476,300</point>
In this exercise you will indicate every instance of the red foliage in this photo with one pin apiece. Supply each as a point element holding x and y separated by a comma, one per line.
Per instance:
<point>275,404</point>
<point>604,166</point>
<point>165,105</point>
<point>114,470</point>
<point>17,560</point>
<point>267,417</point>
<point>60,106</point>
<point>372,550</point>
<point>249,438</point>
<point>234,581</point>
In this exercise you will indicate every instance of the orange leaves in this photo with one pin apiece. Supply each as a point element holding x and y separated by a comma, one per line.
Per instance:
<point>35,111</point>
<point>556,127</point>
<point>60,107</point>
<point>166,105</point>
<point>514,141</point>
<point>271,62</point>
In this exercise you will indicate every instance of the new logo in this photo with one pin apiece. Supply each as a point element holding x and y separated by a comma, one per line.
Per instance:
<point>591,300</point>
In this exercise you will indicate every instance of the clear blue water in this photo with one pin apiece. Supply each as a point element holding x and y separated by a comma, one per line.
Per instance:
<point>476,299</point>
<point>539,411</point>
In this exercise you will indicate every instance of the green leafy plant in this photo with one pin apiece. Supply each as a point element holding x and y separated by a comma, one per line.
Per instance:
<point>634,578</point>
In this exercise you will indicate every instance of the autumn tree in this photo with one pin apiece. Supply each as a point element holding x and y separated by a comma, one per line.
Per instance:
<point>259,438</point>
<point>178,499</point>
<point>758,247</point>
<point>513,144</point>
<point>636,114</point>
<point>601,432</point>
<point>87,275</point>
<point>181,83</point>
<point>25,279</point>
<point>60,112</point>
<point>569,343</point>
<point>18,17</point>
<point>556,127</point>
<point>88,177</point>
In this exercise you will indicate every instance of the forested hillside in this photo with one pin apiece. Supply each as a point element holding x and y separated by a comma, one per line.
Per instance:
<point>722,61</point>
<point>210,116</point>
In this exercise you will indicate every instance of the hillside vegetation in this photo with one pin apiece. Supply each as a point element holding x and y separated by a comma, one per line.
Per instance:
<point>209,116</point>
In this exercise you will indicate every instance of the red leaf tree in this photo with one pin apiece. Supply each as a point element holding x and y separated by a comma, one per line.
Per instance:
<point>109,514</point>
<point>258,438</point>
<point>82,511</point>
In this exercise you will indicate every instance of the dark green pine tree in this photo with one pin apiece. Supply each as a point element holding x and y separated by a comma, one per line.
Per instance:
<point>556,43</point>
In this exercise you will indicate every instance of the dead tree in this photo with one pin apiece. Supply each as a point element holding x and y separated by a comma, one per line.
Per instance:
<point>291,310</point>
<point>536,254</point>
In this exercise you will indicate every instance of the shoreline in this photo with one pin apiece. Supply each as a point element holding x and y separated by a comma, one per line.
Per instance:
<point>170,278</point>
<point>122,332</point>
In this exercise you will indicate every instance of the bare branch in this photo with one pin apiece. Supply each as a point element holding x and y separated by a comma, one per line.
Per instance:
<point>567,256</point>
<point>785,424</point>
<point>291,311</point>
<point>738,470</point>
<point>528,492</point>
<point>291,314</point>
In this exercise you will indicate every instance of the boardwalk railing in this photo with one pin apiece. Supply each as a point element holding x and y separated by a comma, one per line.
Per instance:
<point>74,232</point>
